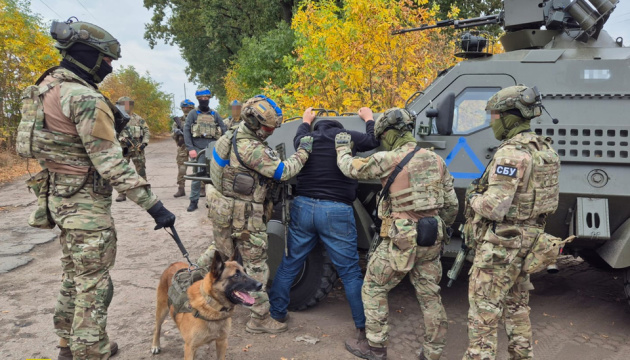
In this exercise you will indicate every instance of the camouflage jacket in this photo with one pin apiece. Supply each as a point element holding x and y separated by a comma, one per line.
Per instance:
<point>85,106</point>
<point>380,166</point>
<point>230,122</point>
<point>509,176</point>
<point>136,130</point>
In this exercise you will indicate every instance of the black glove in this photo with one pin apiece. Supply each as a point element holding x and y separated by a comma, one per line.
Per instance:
<point>162,217</point>
<point>143,146</point>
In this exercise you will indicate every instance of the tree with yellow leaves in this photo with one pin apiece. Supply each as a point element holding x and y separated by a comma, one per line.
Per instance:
<point>26,51</point>
<point>151,103</point>
<point>346,56</point>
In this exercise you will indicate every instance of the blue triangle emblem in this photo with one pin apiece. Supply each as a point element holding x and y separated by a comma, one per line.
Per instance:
<point>462,144</point>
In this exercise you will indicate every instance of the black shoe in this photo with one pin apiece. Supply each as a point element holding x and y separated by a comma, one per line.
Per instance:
<point>113,348</point>
<point>193,206</point>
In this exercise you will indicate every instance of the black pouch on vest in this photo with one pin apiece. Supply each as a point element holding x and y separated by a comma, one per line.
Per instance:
<point>243,184</point>
<point>101,186</point>
<point>427,229</point>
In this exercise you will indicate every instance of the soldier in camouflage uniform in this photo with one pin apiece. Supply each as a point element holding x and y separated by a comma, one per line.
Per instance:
<point>203,127</point>
<point>134,138</point>
<point>235,118</point>
<point>182,151</point>
<point>505,213</point>
<point>420,206</point>
<point>74,139</point>
<point>243,168</point>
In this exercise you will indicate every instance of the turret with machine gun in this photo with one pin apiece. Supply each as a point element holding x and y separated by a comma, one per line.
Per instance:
<point>582,19</point>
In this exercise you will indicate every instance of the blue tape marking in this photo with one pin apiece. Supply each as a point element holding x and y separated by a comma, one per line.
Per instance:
<point>221,162</point>
<point>462,144</point>
<point>279,170</point>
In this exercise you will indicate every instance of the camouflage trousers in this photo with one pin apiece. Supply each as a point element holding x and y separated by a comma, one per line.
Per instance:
<point>498,289</point>
<point>86,291</point>
<point>139,161</point>
<point>251,242</point>
<point>384,273</point>
<point>181,158</point>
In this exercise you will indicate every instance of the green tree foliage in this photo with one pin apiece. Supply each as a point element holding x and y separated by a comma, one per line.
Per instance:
<point>151,103</point>
<point>210,33</point>
<point>469,8</point>
<point>260,61</point>
<point>26,51</point>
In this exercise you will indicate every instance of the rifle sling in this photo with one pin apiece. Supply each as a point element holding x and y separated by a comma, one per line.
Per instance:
<point>394,174</point>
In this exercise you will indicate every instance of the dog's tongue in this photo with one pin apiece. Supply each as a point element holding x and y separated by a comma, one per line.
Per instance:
<point>247,299</point>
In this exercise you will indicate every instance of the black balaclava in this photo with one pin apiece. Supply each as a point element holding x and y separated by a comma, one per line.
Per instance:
<point>87,56</point>
<point>204,105</point>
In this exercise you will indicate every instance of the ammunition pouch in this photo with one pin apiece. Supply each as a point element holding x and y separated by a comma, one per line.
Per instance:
<point>221,207</point>
<point>384,225</point>
<point>66,186</point>
<point>41,217</point>
<point>544,252</point>
<point>100,185</point>
<point>427,229</point>
<point>244,184</point>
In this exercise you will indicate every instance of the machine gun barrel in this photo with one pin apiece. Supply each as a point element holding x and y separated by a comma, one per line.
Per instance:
<point>457,24</point>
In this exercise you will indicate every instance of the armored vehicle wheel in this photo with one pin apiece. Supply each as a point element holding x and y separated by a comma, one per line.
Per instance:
<point>593,259</point>
<point>316,278</point>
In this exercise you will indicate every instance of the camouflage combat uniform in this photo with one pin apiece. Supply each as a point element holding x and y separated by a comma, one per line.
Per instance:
<point>522,188</point>
<point>136,132</point>
<point>239,218</point>
<point>424,188</point>
<point>232,122</point>
<point>79,175</point>
<point>182,151</point>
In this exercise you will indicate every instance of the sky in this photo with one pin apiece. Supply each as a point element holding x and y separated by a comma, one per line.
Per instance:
<point>125,20</point>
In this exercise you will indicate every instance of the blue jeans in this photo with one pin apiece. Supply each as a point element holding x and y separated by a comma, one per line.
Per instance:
<point>333,223</point>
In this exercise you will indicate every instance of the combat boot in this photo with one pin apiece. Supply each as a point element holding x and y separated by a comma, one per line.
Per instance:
<point>121,197</point>
<point>362,349</point>
<point>193,205</point>
<point>265,325</point>
<point>66,354</point>
<point>421,355</point>
<point>180,192</point>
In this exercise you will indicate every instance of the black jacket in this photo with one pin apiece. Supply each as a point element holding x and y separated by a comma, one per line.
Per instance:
<point>320,178</point>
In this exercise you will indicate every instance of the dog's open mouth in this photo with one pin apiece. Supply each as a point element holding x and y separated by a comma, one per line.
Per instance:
<point>245,298</point>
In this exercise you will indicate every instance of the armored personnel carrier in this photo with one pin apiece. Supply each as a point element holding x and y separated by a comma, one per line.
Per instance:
<point>584,79</point>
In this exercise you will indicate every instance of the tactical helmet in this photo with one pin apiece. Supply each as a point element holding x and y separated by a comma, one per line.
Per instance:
<point>526,100</point>
<point>186,103</point>
<point>69,33</point>
<point>124,99</point>
<point>203,92</point>
<point>394,118</point>
<point>261,111</point>
<point>236,103</point>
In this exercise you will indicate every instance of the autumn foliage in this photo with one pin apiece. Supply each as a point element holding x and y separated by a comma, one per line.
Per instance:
<point>346,57</point>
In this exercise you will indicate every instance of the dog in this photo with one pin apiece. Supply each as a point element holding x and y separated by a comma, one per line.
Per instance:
<point>214,298</point>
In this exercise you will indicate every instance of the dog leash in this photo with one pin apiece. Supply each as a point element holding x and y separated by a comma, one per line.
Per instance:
<point>181,247</point>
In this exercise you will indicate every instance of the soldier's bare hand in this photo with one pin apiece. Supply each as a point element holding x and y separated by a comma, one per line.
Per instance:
<point>366,114</point>
<point>192,154</point>
<point>308,116</point>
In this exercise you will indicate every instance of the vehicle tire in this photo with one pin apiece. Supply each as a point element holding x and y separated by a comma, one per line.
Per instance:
<point>626,284</point>
<point>314,282</point>
<point>593,259</point>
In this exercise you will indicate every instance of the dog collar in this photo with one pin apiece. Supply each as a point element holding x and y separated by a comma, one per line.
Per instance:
<point>212,302</point>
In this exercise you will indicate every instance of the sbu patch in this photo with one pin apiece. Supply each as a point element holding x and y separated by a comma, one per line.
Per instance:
<point>504,170</point>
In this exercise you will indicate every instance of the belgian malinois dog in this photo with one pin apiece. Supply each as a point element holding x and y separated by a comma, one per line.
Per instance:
<point>213,298</point>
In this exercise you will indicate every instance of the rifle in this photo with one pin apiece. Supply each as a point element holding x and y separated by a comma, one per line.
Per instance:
<point>285,192</point>
<point>453,273</point>
<point>457,24</point>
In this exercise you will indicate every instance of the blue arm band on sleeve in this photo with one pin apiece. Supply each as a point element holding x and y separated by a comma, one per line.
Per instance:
<point>221,162</point>
<point>279,170</point>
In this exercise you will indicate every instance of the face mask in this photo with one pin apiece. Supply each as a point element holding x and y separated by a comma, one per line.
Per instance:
<point>508,126</point>
<point>103,71</point>
<point>203,104</point>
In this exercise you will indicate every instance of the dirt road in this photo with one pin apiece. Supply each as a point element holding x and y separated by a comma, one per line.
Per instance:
<point>579,313</point>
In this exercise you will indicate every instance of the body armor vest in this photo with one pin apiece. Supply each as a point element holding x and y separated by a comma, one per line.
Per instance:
<point>136,132</point>
<point>425,191</point>
<point>538,193</point>
<point>230,177</point>
<point>35,141</point>
<point>206,126</point>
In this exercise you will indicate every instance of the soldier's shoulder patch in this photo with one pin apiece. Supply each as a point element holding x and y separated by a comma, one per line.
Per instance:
<point>103,127</point>
<point>506,170</point>
<point>271,153</point>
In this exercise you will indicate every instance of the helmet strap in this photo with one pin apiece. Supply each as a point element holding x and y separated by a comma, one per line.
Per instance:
<point>91,71</point>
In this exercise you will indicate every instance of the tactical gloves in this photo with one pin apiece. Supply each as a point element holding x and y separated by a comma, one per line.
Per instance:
<point>306,143</point>
<point>162,217</point>
<point>143,146</point>
<point>343,139</point>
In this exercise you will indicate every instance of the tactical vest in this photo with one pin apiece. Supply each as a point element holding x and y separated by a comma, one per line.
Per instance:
<point>230,176</point>
<point>35,141</point>
<point>538,193</point>
<point>425,191</point>
<point>136,132</point>
<point>206,126</point>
